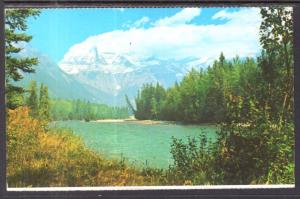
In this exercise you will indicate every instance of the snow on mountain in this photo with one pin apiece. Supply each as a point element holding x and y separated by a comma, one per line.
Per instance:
<point>120,74</point>
<point>90,59</point>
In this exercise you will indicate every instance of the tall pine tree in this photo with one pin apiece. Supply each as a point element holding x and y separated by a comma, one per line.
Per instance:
<point>32,100</point>
<point>15,27</point>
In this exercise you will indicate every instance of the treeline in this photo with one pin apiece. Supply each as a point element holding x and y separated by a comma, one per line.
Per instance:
<point>85,110</point>
<point>202,95</point>
<point>44,108</point>
<point>206,95</point>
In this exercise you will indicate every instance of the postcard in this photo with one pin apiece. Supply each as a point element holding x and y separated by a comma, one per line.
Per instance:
<point>149,97</point>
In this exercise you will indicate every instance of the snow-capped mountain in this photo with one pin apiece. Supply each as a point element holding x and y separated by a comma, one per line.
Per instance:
<point>117,75</point>
<point>93,61</point>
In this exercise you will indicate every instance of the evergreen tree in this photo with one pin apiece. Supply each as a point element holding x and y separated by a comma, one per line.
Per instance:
<point>15,26</point>
<point>44,104</point>
<point>32,100</point>
<point>222,59</point>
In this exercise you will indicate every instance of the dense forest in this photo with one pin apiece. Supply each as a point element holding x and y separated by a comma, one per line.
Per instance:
<point>85,110</point>
<point>251,99</point>
<point>203,95</point>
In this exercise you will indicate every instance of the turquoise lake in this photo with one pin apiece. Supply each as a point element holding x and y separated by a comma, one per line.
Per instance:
<point>141,145</point>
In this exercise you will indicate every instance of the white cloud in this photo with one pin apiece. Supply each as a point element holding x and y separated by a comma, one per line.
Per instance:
<point>137,24</point>
<point>141,22</point>
<point>237,36</point>
<point>221,15</point>
<point>182,17</point>
<point>245,15</point>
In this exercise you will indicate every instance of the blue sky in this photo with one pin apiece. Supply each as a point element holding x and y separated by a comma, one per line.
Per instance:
<point>56,30</point>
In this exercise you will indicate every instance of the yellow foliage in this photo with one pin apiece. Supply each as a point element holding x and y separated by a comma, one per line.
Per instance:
<point>41,156</point>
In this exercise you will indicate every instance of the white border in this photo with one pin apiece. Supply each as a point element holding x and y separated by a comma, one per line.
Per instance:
<point>285,186</point>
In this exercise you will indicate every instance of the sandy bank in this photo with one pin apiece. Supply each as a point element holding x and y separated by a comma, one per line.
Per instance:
<point>109,121</point>
<point>144,122</point>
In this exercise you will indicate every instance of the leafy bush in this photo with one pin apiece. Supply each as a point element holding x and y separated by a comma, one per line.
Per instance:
<point>192,161</point>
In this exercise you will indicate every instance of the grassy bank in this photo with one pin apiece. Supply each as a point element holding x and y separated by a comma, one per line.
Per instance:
<point>42,156</point>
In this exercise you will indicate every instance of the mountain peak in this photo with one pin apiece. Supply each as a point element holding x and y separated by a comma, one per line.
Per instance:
<point>91,59</point>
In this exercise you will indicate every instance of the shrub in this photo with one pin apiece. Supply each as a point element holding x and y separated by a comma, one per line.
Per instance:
<point>192,161</point>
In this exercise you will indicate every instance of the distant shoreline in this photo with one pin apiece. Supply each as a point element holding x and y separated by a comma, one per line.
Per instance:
<point>133,120</point>
<point>146,122</point>
<point>142,122</point>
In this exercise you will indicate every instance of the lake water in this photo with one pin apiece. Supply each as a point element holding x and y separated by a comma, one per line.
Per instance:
<point>140,144</point>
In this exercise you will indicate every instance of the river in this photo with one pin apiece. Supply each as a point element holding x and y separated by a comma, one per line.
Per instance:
<point>141,144</point>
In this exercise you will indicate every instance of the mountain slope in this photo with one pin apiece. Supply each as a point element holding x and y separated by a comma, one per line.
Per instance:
<point>60,84</point>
